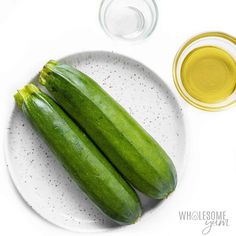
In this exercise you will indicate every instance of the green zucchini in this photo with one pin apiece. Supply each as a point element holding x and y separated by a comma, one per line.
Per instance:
<point>80,157</point>
<point>139,158</point>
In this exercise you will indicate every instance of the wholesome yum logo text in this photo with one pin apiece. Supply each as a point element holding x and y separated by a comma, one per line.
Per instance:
<point>210,218</point>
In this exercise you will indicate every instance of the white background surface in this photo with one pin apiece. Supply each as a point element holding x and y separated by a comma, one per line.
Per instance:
<point>32,32</point>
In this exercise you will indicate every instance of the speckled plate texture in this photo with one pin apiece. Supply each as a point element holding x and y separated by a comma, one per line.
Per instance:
<point>42,181</point>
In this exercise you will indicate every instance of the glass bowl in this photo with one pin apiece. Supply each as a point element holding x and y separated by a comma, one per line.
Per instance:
<point>217,39</point>
<point>129,20</point>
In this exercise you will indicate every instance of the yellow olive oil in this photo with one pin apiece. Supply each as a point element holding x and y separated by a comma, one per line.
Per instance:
<point>208,74</point>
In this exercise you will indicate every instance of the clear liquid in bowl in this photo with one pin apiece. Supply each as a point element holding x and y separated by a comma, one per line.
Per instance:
<point>128,19</point>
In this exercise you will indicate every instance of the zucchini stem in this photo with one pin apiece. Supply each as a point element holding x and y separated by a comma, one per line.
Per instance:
<point>24,93</point>
<point>46,71</point>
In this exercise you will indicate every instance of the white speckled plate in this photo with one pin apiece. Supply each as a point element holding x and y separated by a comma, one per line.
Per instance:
<point>39,177</point>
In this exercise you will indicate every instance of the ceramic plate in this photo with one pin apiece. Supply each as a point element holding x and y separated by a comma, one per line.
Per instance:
<point>39,177</point>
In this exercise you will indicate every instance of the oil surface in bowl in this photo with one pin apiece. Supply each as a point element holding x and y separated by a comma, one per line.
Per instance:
<point>209,74</point>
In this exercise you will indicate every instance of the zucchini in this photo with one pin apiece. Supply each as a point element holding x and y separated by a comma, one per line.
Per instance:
<point>80,157</point>
<point>139,158</point>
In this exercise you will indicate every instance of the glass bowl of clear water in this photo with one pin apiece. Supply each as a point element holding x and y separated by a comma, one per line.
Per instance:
<point>129,20</point>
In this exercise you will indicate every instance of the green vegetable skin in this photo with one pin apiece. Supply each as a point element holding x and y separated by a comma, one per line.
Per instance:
<point>125,143</point>
<point>86,165</point>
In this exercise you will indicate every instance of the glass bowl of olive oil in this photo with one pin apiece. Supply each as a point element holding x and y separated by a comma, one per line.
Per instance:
<point>205,71</point>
